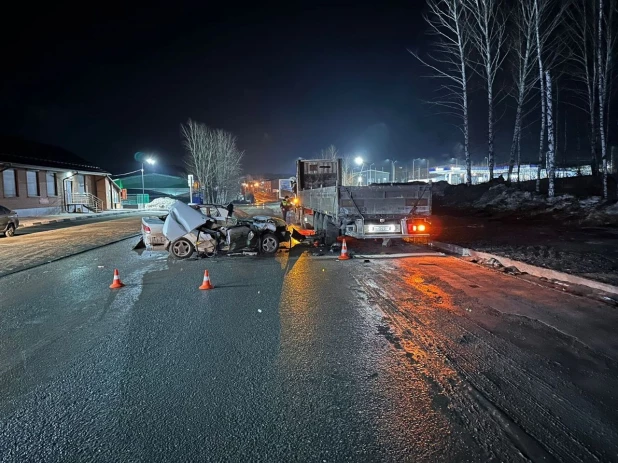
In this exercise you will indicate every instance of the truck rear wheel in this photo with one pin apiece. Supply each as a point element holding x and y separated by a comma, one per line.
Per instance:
<point>331,232</point>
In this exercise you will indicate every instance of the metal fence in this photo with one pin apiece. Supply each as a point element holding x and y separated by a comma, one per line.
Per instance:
<point>135,201</point>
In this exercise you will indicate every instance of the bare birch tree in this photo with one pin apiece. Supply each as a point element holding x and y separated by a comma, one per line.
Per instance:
<point>592,26</point>
<point>582,23</point>
<point>214,159</point>
<point>448,21</point>
<point>605,51</point>
<point>547,17</point>
<point>523,48</point>
<point>198,143</point>
<point>332,154</point>
<point>227,167</point>
<point>551,150</point>
<point>488,33</point>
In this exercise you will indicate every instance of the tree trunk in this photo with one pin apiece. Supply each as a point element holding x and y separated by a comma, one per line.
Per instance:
<point>564,143</point>
<point>551,153</point>
<point>464,91</point>
<point>467,140</point>
<point>516,137</point>
<point>556,121</point>
<point>602,95</point>
<point>490,132</point>
<point>543,94</point>
<point>518,157</point>
<point>542,134</point>
<point>593,140</point>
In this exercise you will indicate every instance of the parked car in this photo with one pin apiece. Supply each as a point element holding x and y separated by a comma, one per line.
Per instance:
<point>9,221</point>
<point>186,230</point>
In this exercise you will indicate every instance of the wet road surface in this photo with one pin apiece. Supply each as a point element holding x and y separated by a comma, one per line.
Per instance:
<point>299,359</point>
<point>36,245</point>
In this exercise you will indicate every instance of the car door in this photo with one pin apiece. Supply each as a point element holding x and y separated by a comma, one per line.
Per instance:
<point>4,217</point>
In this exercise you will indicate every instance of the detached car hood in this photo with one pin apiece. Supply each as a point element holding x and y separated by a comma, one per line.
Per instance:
<point>182,219</point>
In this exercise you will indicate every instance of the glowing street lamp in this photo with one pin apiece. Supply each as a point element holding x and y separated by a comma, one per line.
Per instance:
<point>358,160</point>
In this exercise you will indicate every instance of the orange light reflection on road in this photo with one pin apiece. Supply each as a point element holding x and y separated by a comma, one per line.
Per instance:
<point>412,276</point>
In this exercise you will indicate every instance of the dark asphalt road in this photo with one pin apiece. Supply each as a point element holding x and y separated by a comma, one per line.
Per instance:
<point>287,359</point>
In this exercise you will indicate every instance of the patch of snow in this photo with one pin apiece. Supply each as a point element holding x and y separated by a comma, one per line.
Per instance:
<point>504,198</point>
<point>164,204</point>
<point>590,202</point>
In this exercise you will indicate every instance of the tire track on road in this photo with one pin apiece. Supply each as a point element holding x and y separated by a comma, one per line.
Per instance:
<point>501,378</point>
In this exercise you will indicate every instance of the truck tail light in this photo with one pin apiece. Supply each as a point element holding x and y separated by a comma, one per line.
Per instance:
<point>146,228</point>
<point>416,227</point>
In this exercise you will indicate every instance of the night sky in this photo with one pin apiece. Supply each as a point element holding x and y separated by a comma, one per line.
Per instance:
<point>287,80</point>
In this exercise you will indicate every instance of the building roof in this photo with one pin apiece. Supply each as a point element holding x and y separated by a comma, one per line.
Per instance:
<point>14,150</point>
<point>152,181</point>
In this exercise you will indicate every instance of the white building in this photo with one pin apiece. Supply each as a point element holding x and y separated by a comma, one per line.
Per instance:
<point>457,174</point>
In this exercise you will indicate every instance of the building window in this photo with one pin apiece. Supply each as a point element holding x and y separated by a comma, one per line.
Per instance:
<point>10,184</point>
<point>52,185</point>
<point>32,182</point>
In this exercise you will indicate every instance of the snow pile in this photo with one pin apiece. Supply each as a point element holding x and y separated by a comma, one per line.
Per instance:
<point>161,204</point>
<point>504,198</point>
<point>562,203</point>
<point>602,214</point>
<point>589,203</point>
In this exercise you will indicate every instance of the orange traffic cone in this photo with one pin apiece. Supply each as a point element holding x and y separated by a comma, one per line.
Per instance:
<point>344,251</point>
<point>116,283</point>
<point>206,282</point>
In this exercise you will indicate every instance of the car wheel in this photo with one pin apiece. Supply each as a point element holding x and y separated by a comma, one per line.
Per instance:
<point>10,231</point>
<point>269,244</point>
<point>182,248</point>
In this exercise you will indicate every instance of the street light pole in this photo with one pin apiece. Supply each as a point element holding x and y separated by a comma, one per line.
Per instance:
<point>360,163</point>
<point>150,161</point>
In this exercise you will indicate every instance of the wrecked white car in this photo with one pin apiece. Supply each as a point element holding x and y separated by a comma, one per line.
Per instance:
<point>186,231</point>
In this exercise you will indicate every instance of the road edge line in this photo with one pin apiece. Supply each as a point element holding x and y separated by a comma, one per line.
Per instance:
<point>70,219</point>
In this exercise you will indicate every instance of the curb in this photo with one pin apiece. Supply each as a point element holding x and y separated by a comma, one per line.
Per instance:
<point>533,270</point>
<point>71,219</point>
<point>380,256</point>
<point>399,255</point>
